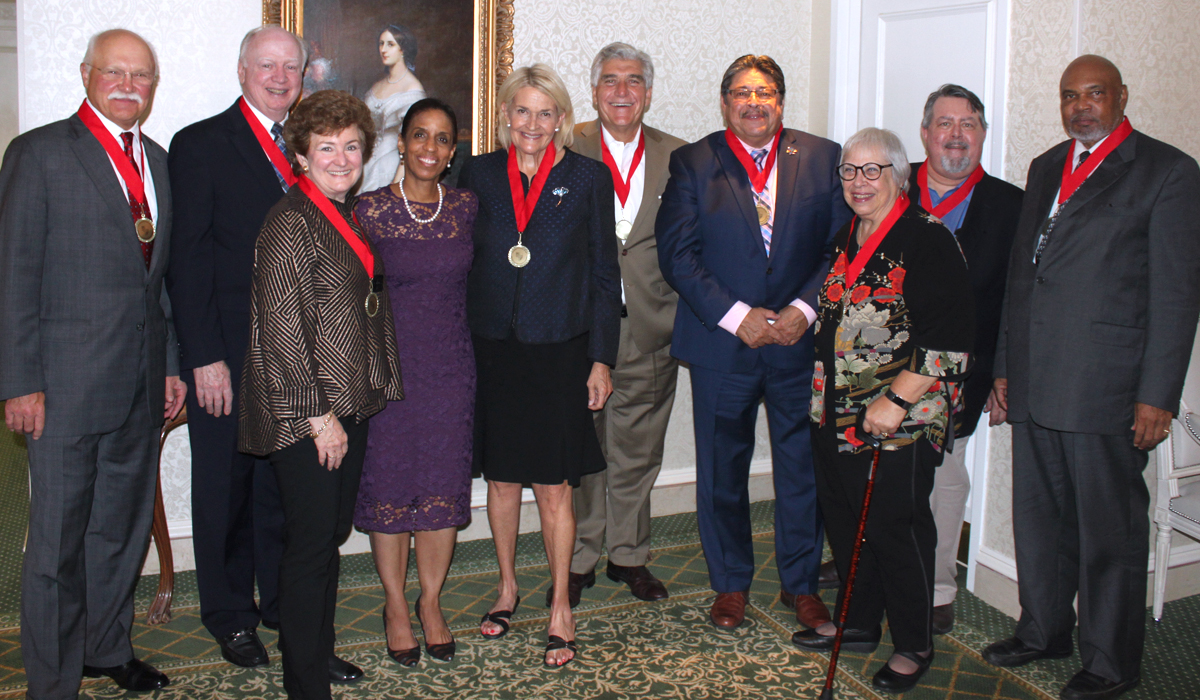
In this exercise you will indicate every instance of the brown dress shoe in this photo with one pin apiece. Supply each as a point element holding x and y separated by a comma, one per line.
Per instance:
<point>643,584</point>
<point>575,585</point>
<point>943,618</point>
<point>828,576</point>
<point>729,609</point>
<point>810,609</point>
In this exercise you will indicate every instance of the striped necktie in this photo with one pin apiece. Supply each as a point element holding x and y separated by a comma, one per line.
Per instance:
<point>277,135</point>
<point>762,201</point>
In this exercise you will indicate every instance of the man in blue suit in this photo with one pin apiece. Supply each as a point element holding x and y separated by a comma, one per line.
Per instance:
<point>742,234</point>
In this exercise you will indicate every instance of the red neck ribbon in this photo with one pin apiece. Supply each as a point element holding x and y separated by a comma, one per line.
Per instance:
<point>758,178</point>
<point>523,205</point>
<point>358,245</point>
<point>1071,180</point>
<point>268,144</point>
<point>948,204</point>
<point>116,153</point>
<point>868,249</point>
<point>621,185</point>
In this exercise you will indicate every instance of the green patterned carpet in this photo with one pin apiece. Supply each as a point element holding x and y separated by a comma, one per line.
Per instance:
<point>628,648</point>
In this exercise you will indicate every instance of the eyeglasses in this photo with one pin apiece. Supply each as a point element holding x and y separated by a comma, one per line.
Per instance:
<point>116,75</point>
<point>871,171</point>
<point>743,94</point>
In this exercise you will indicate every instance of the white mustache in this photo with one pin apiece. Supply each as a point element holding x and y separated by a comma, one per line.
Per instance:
<point>119,95</point>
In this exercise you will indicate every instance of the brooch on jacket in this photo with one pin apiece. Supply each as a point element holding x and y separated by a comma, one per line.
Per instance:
<point>560,191</point>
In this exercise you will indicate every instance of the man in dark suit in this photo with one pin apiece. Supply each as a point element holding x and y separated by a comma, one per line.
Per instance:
<point>225,179</point>
<point>612,507</point>
<point>742,237</point>
<point>1100,313</point>
<point>87,363</point>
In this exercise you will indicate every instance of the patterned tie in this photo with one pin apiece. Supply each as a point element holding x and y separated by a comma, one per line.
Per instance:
<point>1082,157</point>
<point>763,199</point>
<point>136,208</point>
<point>277,134</point>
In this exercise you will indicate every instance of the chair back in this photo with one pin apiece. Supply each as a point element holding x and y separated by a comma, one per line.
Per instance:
<point>1179,454</point>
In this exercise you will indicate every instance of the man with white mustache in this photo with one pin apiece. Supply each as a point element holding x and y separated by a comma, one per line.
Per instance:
<point>227,172</point>
<point>981,211</point>
<point>612,507</point>
<point>88,363</point>
<point>743,234</point>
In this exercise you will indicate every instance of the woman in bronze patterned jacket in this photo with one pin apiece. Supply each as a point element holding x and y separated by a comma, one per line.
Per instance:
<point>894,334</point>
<point>321,361</point>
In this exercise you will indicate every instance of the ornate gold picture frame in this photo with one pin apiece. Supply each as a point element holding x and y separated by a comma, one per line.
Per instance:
<point>465,50</point>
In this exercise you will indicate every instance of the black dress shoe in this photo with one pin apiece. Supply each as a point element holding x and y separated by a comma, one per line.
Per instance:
<point>943,618</point>
<point>642,584</point>
<point>1010,652</point>
<point>575,585</point>
<point>135,675</point>
<point>862,641</point>
<point>893,681</point>
<point>272,625</point>
<point>342,672</point>
<point>244,648</point>
<point>828,576</point>
<point>1089,686</point>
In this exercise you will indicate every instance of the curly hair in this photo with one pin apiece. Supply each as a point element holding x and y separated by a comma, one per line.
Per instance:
<point>327,112</point>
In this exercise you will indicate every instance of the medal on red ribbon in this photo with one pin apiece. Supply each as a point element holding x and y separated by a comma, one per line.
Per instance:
<point>143,224</point>
<point>868,249</point>
<point>948,204</point>
<point>758,178</point>
<point>621,185</point>
<point>356,243</point>
<point>524,204</point>
<point>268,144</point>
<point>1072,179</point>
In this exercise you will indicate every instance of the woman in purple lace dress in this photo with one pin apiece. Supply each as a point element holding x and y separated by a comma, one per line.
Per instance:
<point>417,473</point>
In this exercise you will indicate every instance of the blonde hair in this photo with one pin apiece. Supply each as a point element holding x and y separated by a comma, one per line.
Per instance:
<point>542,78</point>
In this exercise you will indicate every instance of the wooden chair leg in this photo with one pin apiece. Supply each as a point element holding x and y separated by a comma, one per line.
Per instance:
<point>160,609</point>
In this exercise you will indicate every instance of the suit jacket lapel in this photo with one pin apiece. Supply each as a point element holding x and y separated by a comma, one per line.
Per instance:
<point>739,182</point>
<point>1114,166</point>
<point>99,168</point>
<point>785,182</point>
<point>257,164</point>
<point>655,159</point>
<point>162,191</point>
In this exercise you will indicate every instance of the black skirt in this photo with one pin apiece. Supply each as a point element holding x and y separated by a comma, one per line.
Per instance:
<point>532,423</point>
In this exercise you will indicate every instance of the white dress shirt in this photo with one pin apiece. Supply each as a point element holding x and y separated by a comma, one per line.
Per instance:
<point>138,156</point>
<point>622,153</point>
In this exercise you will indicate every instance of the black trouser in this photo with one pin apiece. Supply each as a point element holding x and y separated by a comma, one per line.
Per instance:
<point>318,510</point>
<point>1081,525</point>
<point>895,569</point>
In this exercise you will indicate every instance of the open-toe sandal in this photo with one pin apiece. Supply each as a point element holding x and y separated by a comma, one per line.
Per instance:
<point>501,618</point>
<point>556,642</point>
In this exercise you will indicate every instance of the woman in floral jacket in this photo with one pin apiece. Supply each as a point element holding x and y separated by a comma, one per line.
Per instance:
<point>893,338</point>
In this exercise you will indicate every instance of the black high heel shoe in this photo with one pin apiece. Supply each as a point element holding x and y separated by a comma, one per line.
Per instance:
<point>404,657</point>
<point>502,618</point>
<point>441,652</point>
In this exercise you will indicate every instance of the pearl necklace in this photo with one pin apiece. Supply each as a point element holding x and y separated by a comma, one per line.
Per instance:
<point>410,211</point>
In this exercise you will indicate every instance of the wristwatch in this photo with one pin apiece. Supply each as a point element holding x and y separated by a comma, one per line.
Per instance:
<point>897,399</point>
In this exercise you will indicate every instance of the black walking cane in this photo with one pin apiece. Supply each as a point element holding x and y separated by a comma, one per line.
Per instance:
<point>876,444</point>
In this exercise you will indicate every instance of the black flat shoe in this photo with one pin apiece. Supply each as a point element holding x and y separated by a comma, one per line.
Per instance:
<point>243,648</point>
<point>892,681</point>
<point>404,657</point>
<point>500,617</point>
<point>134,675</point>
<point>342,672</point>
<point>441,652</point>
<point>861,641</point>
<point>1090,686</point>
<point>1010,652</point>
<point>554,644</point>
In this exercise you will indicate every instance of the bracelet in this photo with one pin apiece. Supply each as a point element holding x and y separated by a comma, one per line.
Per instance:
<point>897,399</point>
<point>317,433</point>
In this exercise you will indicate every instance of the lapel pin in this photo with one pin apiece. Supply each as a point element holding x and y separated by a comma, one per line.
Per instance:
<point>560,191</point>
<point>791,150</point>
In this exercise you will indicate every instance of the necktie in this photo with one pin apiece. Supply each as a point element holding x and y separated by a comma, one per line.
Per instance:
<point>277,134</point>
<point>762,201</point>
<point>1082,157</point>
<point>136,208</point>
<point>1049,226</point>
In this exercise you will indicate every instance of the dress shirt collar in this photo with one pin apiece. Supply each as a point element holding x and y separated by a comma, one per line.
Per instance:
<point>266,121</point>
<point>1080,148</point>
<point>625,149</point>
<point>115,129</point>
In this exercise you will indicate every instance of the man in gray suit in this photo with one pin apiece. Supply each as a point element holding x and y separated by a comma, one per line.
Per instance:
<point>1100,313</point>
<point>613,506</point>
<point>85,356</point>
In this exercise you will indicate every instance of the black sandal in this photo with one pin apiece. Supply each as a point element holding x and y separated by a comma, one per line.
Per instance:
<point>556,642</point>
<point>500,617</point>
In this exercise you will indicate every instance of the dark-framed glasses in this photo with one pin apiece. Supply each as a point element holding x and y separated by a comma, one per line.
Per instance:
<point>871,171</point>
<point>763,94</point>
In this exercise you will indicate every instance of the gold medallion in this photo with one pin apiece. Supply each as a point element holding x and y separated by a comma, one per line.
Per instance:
<point>145,229</point>
<point>518,256</point>
<point>372,304</point>
<point>623,230</point>
<point>764,214</point>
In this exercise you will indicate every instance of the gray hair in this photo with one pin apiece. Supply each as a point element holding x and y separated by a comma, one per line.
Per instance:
<point>623,52</point>
<point>889,144</point>
<point>246,40</point>
<point>952,90</point>
<point>98,36</point>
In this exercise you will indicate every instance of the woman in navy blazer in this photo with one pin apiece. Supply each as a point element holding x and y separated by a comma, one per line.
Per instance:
<point>544,305</point>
